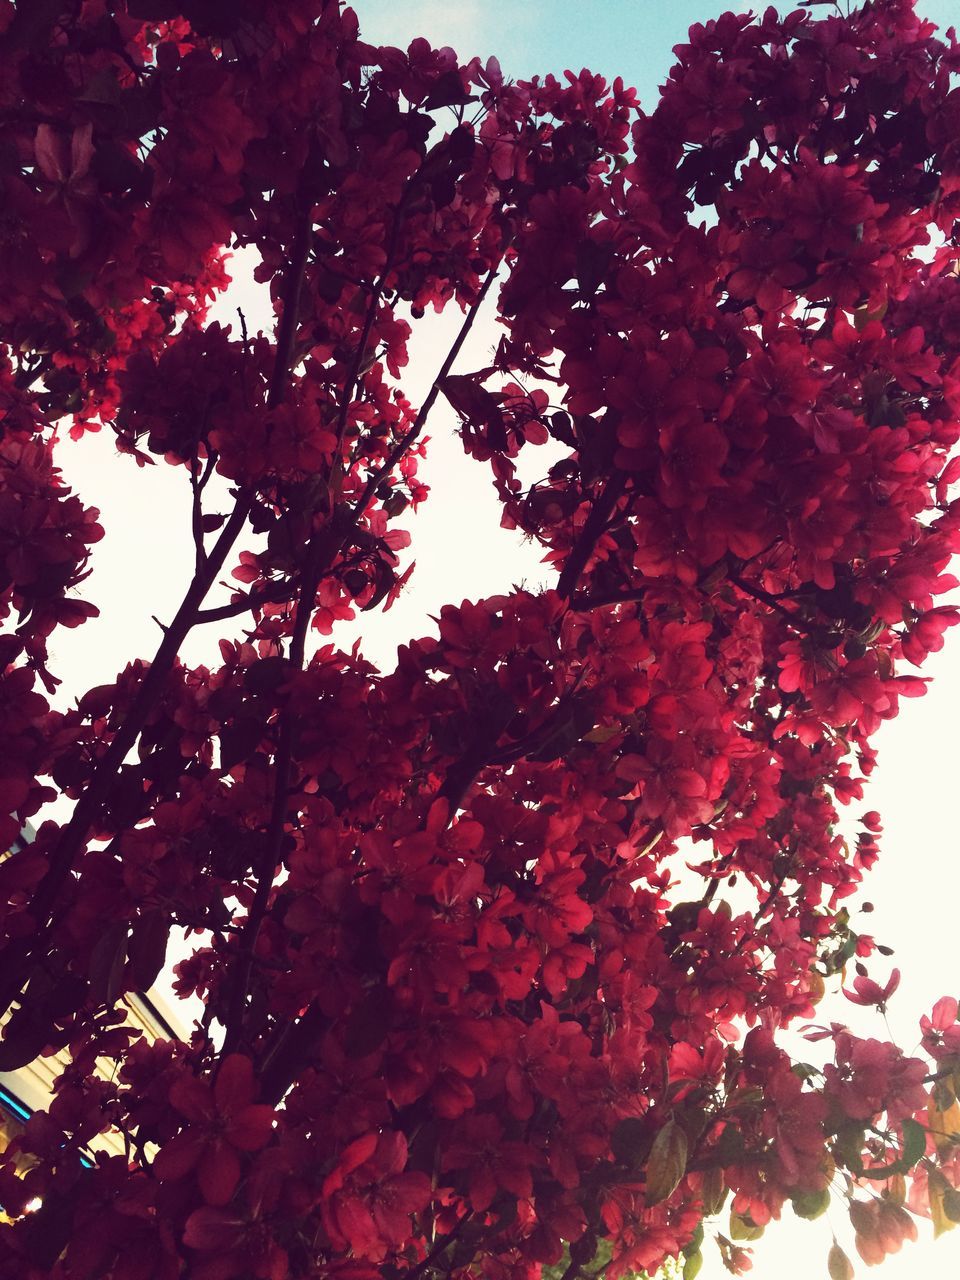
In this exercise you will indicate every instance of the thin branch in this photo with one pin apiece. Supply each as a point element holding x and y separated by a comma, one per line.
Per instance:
<point>323,549</point>
<point>769,900</point>
<point>943,1074</point>
<point>358,357</point>
<point>272,848</point>
<point>287,332</point>
<point>405,441</point>
<point>27,375</point>
<point>291,1045</point>
<point>773,893</point>
<point>765,597</point>
<point>74,834</point>
<point>212,459</point>
<point>274,593</point>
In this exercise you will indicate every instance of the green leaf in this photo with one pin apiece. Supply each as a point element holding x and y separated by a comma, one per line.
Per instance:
<point>691,1267</point>
<point>743,1227</point>
<point>108,961</point>
<point>811,1204</point>
<point>951,1204</point>
<point>25,1036</point>
<point>848,1147</point>
<point>729,1147</point>
<point>447,91</point>
<point>667,1163</point>
<point>713,1191</point>
<point>838,1264</point>
<point>368,1023</point>
<point>631,1141</point>
<point>914,1144</point>
<point>696,1240</point>
<point>147,948</point>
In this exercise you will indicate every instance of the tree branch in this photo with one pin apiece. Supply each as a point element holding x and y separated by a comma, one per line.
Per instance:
<point>325,546</point>
<point>444,1243</point>
<point>196,517</point>
<point>274,841</point>
<point>74,834</point>
<point>593,530</point>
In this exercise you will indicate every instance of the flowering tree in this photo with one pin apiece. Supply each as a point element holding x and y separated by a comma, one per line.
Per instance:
<point>459,1017</point>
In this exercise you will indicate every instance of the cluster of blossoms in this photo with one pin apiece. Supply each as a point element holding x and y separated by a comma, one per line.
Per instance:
<point>457,1021</point>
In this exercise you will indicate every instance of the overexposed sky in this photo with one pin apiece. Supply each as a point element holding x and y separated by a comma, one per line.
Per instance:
<point>141,567</point>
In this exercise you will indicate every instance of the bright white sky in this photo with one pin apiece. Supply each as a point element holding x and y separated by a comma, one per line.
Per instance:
<point>461,552</point>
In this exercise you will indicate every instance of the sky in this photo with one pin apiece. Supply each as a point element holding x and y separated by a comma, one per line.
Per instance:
<point>461,553</point>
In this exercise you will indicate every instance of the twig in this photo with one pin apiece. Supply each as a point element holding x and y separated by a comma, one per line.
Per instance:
<point>27,375</point>
<point>943,1074</point>
<point>405,441</point>
<point>290,1047</point>
<point>593,529</point>
<point>436,1251</point>
<point>583,600</point>
<point>768,901</point>
<point>273,840</point>
<point>325,546</point>
<point>88,806</point>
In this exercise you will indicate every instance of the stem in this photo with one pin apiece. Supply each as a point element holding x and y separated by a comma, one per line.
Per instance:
<point>273,844</point>
<point>943,1074</point>
<point>75,833</point>
<point>768,901</point>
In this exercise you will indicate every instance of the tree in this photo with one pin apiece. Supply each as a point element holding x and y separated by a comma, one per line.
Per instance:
<point>457,1019</point>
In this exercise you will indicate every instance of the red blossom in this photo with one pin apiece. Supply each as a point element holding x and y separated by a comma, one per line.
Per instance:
<point>368,1198</point>
<point>866,991</point>
<point>505,935</point>
<point>222,1122</point>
